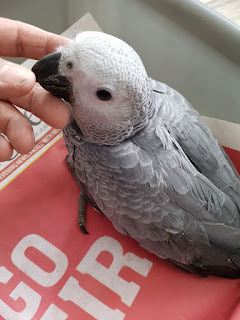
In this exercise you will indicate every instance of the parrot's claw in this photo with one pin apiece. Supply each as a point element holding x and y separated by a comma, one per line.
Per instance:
<point>83,229</point>
<point>82,203</point>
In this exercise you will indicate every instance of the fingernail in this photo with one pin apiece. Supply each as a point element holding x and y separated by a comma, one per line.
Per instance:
<point>13,75</point>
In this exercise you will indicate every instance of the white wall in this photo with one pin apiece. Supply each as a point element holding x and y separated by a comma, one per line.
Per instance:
<point>181,44</point>
<point>50,15</point>
<point>178,44</point>
<point>47,14</point>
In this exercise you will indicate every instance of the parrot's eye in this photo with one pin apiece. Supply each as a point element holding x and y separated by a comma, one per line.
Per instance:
<point>69,65</point>
<point>104,95</point>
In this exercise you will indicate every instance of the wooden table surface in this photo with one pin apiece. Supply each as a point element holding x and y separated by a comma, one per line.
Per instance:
<point>228,8</point>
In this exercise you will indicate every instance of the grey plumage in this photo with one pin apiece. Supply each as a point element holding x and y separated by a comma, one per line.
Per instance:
<point>163,180</point>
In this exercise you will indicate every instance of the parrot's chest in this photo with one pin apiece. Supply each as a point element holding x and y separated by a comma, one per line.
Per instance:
<point>94,173</point>
<point>89,163</point>
<point>104,171</point>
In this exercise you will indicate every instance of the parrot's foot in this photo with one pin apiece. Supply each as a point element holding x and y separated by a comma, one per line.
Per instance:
<point>71,166</point>
<point>82,203</point>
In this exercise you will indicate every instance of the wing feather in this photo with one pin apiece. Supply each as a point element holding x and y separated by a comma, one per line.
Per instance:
<point>197,141</point>
<point>164,187</point>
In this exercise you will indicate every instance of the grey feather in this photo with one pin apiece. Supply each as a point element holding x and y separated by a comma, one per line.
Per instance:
<point>146,159</point>
<point>160,198</point>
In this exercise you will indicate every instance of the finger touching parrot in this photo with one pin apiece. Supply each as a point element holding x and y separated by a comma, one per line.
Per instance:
<point>143,156</point>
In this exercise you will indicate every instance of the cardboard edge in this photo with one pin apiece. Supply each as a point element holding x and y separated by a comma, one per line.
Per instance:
<point>227,133</point>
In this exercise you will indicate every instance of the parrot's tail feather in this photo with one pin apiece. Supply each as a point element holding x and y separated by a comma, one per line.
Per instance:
<point>190,268</point>
<point>230,162</point>
<point>205,271</point>
<point>225,237</point>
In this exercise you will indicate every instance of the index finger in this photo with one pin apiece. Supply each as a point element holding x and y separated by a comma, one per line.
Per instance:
<point>19,39</point>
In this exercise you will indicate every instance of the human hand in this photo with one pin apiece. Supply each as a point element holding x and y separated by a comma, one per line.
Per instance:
<point>18,86</point>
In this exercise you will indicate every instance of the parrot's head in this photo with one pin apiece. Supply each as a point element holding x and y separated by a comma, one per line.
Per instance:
<point>104,82</point>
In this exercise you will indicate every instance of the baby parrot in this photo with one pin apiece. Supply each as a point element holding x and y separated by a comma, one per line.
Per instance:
<point>143,156</point>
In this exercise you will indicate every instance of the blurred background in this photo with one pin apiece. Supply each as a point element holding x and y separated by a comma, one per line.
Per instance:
<point>180,42</point>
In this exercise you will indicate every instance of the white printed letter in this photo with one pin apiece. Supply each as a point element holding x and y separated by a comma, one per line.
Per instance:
<point>45,279</point>
<point>32,299</point>
<point>109,276</point>
<point>54,312</point>
<point>73,292</point>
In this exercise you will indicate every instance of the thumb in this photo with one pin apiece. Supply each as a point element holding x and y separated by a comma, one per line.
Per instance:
<point>15,80</point>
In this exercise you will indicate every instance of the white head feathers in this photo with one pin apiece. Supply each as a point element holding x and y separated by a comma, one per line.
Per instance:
<point>111,94</point>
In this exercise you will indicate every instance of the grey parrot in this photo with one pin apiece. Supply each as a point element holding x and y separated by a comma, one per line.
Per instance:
<point>143,156</point>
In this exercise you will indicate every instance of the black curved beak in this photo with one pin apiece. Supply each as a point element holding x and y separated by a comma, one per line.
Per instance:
<point>47,74</point>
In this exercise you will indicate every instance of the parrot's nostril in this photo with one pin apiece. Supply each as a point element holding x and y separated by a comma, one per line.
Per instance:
<point>69,65</point>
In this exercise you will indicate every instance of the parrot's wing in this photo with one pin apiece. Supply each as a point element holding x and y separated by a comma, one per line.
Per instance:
<point>150,190</point>
<point>229,162</point>
<point>197,141</point>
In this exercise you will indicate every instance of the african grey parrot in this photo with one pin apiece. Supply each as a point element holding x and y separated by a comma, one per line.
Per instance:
<point>143,156</point>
